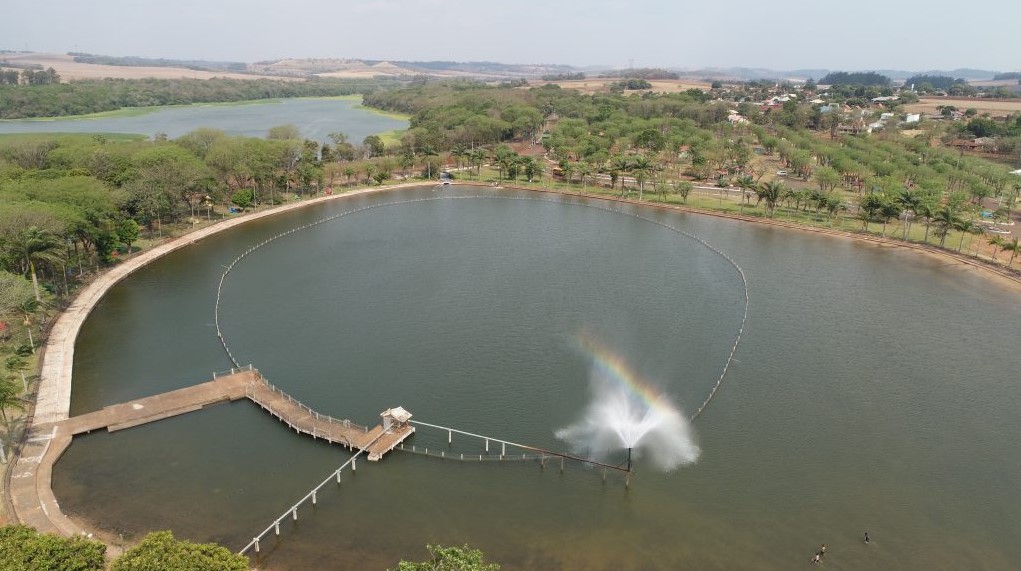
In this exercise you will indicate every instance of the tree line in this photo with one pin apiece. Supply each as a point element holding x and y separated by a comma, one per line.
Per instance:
<point>48,76</point>
<point>855,78</point>
<point>52,99</point>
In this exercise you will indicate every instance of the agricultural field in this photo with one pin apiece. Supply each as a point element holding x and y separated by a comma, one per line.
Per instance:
<point>70,70</point>
<point>592,85</point>
<point>995,107</point>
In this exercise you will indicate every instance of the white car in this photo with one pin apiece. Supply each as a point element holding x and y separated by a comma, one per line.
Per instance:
<point>997,230</point>
<point>781,173</point>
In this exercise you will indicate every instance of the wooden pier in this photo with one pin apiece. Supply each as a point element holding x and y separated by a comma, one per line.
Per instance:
<point>30,489</point>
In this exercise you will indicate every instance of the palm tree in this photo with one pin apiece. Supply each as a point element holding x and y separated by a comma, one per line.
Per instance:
<point>428,151</point>
<point>965,227</point>
<point>621,164</point>
<point>925,210</point>
<point>887,211</point>
<point>996,242</point>
<point>476,157</point>
<point>909,202</point>
<point>584,169</point>
<point>531,168</point>
<point>568,168</point>
<point>9,398</point>
<point>746,183</point>
<point>945,220</point>
<point>459,152</point>
<point>772,192</point>
<point>31,246</point>
<point>1014,248</point>
<point>642,167</point>
<point>505,158</point>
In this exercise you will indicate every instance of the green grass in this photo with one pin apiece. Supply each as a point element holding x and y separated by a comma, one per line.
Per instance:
<point>390,138</point>
<point>390,114</point>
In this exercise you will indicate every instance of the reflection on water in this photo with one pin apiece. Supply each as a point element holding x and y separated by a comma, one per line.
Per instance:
<point>874,390</point>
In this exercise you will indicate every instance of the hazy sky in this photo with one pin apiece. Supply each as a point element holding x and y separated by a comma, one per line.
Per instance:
<point>778,34</point>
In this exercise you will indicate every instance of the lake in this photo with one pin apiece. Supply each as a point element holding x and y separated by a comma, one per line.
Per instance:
<point>315,117</point>
<point>875,390</point>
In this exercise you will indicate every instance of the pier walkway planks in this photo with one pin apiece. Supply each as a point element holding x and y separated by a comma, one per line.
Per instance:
<point>32,495</point>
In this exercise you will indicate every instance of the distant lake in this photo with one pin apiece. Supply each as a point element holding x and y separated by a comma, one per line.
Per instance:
<point>315,117</point>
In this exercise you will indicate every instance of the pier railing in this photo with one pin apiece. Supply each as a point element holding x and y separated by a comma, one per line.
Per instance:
<point>312,496</point>
<point>317,425</point>
<point>530,452</point>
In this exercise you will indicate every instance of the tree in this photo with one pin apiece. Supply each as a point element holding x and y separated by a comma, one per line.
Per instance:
<point>10,397</point>
<point>243,198</point>
<point>684,189</point>
<point>14,292</point>
<point>827,178</point>
<point>166,175</point>
<point>996,242</point>
<point>910,202</point>
<point>747,185</point>
<point>888,210</point>
<point>944,219</point>
<point>772,193</point>
<point>869,206</point>
<point>284,132</point>
<point>449,559</point>
<point>31,246</point>
<point>1013,247</point>
<point>505,158</point>
<point>127,232</point>
<point>642,167</point>
<point>965,227</point>
<point>160,551</point>
<point>374,146</point>
<point>620,164</point>
<point>24,549</point>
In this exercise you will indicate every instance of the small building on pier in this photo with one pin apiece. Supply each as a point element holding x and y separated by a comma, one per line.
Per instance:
<point>395,418</point>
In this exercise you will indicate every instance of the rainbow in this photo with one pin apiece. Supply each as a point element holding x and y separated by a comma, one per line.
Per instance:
<point>614,368</point>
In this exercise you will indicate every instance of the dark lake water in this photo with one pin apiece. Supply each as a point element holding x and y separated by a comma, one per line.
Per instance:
<point>876,390</point>
<point>315,117</point>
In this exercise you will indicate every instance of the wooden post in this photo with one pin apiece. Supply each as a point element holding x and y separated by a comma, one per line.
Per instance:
<point>294,514</point>
<point>338,476</point>
<point>503,449</point>
<point>256,544</point>
<point>277,527</point>
<point>487,446</point>
<point>450,436</point>
<point>354,460</point>
<point>313,497</point>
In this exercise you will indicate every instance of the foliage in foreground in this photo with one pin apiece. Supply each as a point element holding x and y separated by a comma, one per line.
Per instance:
<point>24,549</point>
<point>160,551</point>
<point>450,559</point>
